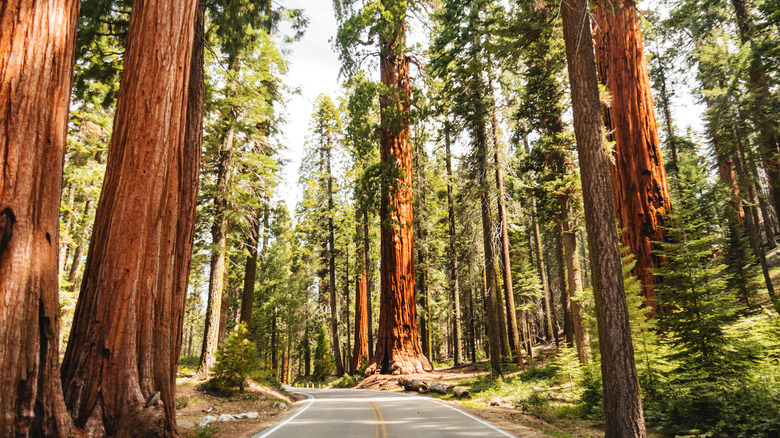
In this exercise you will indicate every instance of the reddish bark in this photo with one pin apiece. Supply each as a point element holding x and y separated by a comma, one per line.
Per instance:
<point>37,46</point>
<point>641,195</point>
<point>573,278</point>
<point>398,342</point>
<point>119,370</point>
<point>360,352</point>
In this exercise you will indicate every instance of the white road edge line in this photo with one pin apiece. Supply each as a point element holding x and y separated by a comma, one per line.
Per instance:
<point>492,426</point>
<point>291,418</point>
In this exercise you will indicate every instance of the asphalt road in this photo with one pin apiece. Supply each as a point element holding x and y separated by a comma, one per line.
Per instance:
<point>337,413</point>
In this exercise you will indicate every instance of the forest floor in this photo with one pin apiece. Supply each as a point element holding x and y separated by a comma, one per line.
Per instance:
<point>194,403</point>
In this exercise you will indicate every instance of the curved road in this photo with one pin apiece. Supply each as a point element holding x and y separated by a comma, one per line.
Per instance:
<point>336,413</point>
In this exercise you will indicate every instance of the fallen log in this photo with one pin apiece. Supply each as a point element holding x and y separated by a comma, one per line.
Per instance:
<point>439,388</point>
<point>413,385</point>
<point>461,392</point>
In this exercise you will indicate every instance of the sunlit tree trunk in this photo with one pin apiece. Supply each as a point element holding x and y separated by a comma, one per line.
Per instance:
<point>641,195</point>
<point>623,415</point>
<point>119,371</point>
<point>334,319</point>
<point>250,270</point>
<point>37,47</point>
<point>398,344</point>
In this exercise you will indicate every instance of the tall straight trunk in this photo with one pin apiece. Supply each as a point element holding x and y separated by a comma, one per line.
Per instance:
<point>398,348</point>
<point>550,323</point>
<point>119,371</point>
<point>623,414</point>
<point>274,342</point>
<point>453,254</point>
<point>500,314</point>
<point>472,327</point>
<point>37,48</point>
<point>306,349</point>
<point>64,246</point>
<point>641,195</point>
<point>334,318</point>
<point>763,118</point>
<point>217,304</point>
<point>568,321</point>
<point>506,263</point>
<point>369,303</point>
<point>250,270</point>
<point>360,352</point>
<point>347,357</point>
<point>573,278</point>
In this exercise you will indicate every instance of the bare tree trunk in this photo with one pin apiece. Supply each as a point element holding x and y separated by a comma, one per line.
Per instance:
<point>398,345</point>
<point>623,414</point>
<point>573,278</point>
<point>73,272</point>
<point>453,255</point>
<point>568,321</point>
<point>334,318</point>
<point>250,270</point>
<point>119,371</point>
<point>37,48</point>
<point>641,195</point>
<point>506,263</point>
<point>552,326</point>
<point>360,352</point>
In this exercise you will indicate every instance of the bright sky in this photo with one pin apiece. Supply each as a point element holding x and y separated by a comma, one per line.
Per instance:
<point>314,68</point>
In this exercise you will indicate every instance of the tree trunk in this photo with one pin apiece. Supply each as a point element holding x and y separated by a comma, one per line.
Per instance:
<point>37,47</point>
<point>623,414</point>
<point>551,324</point>
<point>506,264</point>
<point>573,278</point>
<point>568,321</point>
<point>126,336</point>
<point>250,271</point>
<point>398,345</point>
<point>641,195</point>
<point>360,352</point>
<point>453,254</point>
<point>334,318</point>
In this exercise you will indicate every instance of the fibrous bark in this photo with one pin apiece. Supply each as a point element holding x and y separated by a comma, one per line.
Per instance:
<point>37,47</point>
<point>573,278</point>
<point>398,345</point>
<point>641,195</point>
<point>360,352</point>
<point>623,414</point>
<point>119,371</point>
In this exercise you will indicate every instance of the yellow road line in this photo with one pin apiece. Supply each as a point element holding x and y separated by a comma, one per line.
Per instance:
<point>378,421</point>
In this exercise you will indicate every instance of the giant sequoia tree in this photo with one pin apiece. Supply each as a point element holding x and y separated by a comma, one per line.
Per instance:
<point>37,45</point>
<point>119,369</point>
<point>398,348</point>
<point>641,194</point>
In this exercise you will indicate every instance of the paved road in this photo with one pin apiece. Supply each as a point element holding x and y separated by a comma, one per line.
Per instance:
<point>336,413</point>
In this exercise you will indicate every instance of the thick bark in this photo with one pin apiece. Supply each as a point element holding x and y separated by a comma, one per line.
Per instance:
<point>126,336</point>
<point>398,345</point>
<point>453,254</point>
<point>623,414</point>
<point>573,278</point>
<point>37,46</point>
<point>641,195</point>
<point>360,351</point>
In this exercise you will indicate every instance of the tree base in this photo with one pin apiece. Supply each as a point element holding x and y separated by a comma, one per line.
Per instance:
<point>399,363</point>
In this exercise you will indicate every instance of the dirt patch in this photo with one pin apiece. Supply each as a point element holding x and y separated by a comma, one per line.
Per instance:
<point>194,403</point>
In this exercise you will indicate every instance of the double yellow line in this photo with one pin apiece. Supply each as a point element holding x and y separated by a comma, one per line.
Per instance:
<point>379,419</point>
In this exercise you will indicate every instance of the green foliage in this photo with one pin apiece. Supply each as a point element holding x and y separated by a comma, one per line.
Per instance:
<point>236,360</point>
<point>323,360</point>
